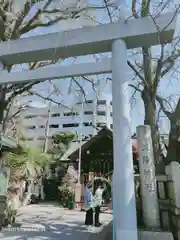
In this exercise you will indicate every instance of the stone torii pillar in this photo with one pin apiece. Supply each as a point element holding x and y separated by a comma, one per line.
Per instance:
<point>124,206</point>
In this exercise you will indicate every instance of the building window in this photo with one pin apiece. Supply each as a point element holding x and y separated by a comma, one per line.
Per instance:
<point>54,126</point>
<point>31,127</point>
<point>111,126</point>
<point>70,125</point>
<point>56,115</point>
<point>101,113</point>
<point>87,124</point>
<point>111,114</point>
<point>29,117</point>
<point>42,138</point>
<point>44,116</point>
<point>88,112</point>
<point>101,124</point>
<point>42,126</point>
<point>27,139</point>
<point>89,101</point>
<point>101,102</point>
<point>71,114</point>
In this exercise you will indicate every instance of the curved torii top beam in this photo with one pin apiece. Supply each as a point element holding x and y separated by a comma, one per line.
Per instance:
<point>89,40</point>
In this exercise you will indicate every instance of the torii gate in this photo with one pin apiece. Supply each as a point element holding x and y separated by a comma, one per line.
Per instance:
<point>116,37</point>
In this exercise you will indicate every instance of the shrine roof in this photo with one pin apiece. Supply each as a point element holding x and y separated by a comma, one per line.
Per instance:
<point>73,150</point>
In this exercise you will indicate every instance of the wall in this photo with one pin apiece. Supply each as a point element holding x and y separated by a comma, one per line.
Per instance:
<point>168,187</point>
<point>163,198</point>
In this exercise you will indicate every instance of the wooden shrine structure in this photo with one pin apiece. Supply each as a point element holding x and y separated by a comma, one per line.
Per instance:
<point>96,154</point>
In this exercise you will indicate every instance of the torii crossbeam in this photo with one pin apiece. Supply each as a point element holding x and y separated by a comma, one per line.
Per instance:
<point>88,40</point>
<point>116,37</point>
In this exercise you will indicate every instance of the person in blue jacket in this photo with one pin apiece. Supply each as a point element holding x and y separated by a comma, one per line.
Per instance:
<point>88,198</point>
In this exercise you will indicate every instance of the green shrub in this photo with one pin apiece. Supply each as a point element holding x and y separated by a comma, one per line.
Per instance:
<point>66,195</point>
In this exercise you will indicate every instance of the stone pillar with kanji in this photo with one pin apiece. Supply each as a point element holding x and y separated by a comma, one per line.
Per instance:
<point>148,185</point>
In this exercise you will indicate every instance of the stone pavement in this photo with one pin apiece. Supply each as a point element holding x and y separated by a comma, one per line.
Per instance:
<point>50,222</point>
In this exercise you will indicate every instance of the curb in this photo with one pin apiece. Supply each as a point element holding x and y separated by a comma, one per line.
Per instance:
<point>103,233</point>
<point>152,235</point>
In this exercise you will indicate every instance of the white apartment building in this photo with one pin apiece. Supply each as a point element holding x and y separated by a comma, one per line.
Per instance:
<point>37,124</point>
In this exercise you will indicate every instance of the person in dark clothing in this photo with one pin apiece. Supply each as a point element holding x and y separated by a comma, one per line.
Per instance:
<point>96,216</point>
<point>88,205</point>
<point>89,217</point>
<point>97,202</point>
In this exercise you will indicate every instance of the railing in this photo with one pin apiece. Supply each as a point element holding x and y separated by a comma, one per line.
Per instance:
<point>163,198</point>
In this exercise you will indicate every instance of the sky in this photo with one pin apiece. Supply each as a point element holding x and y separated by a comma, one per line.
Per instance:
<point>169,85</point>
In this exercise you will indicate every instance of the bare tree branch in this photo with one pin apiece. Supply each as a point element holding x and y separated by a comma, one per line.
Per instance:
<point>47,99</point>
<point>133,8</point>
<point>135,87</point>
<point>70,13</point>
<point>136,71</point>
<point>80,87</point>
<point>108,11</point>
<point>177,109</point>
<point>161,101</point>
<point>157,76</point>
<point>169,62</point>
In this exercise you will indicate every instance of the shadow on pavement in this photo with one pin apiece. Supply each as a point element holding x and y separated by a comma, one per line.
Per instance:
<point>44,222</point>
<point>43,230</point>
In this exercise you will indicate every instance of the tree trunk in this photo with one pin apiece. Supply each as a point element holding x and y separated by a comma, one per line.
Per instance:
<point>3,105</point>
<point>28,193</point>
<point>173,150</point>
<point>150,119</point>
<point>15,193</point>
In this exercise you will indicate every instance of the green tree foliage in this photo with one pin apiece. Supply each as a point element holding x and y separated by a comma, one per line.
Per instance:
<point>61,142</point>
<point>29,163</point>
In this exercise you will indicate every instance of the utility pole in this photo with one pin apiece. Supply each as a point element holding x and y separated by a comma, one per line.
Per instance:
<point>94,123</point>
<point>47,122</point>
<point>47,129</point>
<point>80,137</point>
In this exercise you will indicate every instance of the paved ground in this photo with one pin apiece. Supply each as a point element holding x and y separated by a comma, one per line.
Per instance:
<point>49,222</point>
<point>109,234</point>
